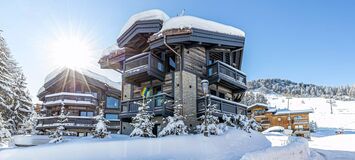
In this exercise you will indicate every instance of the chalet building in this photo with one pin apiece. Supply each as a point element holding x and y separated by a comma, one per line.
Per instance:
<point>81,92</point>
<point>171,56</point>
<point>296,120</point>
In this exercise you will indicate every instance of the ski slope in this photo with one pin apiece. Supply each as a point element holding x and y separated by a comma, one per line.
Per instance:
<point>343,111</point>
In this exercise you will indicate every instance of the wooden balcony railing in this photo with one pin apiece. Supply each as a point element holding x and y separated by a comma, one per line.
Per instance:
<point>222,105</point>
<point>73,122</point>
<point>219,72</point>
<point>143,67</point>
<point>70,99</point>
<point>160,104</point>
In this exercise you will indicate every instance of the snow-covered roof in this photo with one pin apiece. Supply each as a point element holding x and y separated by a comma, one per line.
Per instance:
<point>85,72</point>
<point>182,22</point>
<point>110,49</point>
<point>259,104</point>
<point>154,14</point>
<point>286,111</point>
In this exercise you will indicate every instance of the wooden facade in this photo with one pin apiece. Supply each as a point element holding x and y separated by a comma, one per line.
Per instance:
<point>296,120</point>
<point>202,55</point>
<point>82,97</point>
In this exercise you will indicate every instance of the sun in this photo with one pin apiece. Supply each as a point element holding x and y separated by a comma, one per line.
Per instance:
<point>71,50</point>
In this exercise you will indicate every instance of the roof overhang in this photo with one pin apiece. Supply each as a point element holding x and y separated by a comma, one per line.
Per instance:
<point>137,35</point>
<point>199,36</point>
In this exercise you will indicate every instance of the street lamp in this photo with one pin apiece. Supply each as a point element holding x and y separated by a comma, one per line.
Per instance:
<point>204,85</point>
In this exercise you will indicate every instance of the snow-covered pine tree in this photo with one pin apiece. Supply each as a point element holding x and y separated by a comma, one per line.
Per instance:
<point>6,81</point>
<point>175,124</point>
<point>142,122</point>
<point>29,125</point>
<point>57,135</point>
<point>210,122</point>
<point>5,135</point>
<point>101,126</point>
<point>22,103</point>
<point>14,96</point>
<point>313,126</point>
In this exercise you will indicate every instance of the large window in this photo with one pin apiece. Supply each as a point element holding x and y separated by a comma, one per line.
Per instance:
<point>86,113</point>
<point>111,116</point>
<point>112,102</point>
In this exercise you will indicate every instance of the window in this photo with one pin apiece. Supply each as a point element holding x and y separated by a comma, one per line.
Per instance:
<point>86,113</point>
<point>259,112</point>
<point>213,92</point>
<point>221,95</point>
<point>111,116</point>
<point>112,102</point>
<point>160,67</point>
<point>297,118</point>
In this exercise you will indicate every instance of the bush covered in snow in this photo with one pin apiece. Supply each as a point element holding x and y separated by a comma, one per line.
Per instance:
<point>244,123</point>
<point>101,126</point>
<point>142,122</point>
<point>175,124</point>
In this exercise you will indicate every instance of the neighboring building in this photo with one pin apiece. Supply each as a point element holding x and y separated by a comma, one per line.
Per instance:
<point>148,55</point>
<point>81,92</point>
<point>296,120</point>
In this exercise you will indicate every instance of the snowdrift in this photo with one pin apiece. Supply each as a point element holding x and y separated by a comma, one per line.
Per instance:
<point>297,150</point>
<point>232,145</point>
<point>30,140</point>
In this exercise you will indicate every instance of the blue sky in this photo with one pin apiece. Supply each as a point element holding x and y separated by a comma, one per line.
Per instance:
<point>304,41</point>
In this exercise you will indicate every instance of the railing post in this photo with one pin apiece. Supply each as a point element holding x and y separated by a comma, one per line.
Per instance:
<point>218,68</point>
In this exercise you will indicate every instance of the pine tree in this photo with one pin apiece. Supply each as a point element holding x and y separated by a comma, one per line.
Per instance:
<point>101,126</point>
<point>29,125</point>
<point>57,135</point>
<point>313,126</point>
<point>175,125</point>
<point>5,135</point>
<point>142,122</point>
<point>14,96</point>
<point>6,82</point>
<point>210,122</point>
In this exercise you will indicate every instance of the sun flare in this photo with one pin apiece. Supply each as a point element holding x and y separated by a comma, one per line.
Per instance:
<point>72,51</point>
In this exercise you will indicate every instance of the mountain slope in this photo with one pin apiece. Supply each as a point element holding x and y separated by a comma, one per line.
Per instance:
<point>293,89</point>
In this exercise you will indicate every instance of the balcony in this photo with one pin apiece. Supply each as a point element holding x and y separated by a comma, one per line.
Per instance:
<point>143,67</point>
<point>300,121</point>
<point>222,105</point>
<point>159,104</point>
<point>74,122</point>
<point>226,75</point>
<point>78,99</point>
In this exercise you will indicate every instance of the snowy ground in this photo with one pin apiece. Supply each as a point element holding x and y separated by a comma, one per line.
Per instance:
<point>232,145</point>
<point>324,142</point>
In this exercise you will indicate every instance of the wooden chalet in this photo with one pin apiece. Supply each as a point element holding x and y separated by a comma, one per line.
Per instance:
<point>171,56</point>
<point>296,120</point>
<point>81,92</point>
